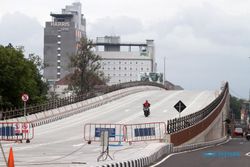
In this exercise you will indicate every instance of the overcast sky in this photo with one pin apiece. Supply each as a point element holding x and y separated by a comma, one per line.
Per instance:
<point>205,42</point>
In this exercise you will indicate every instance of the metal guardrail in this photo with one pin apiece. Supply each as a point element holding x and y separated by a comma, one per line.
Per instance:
<point>14,113</point>
<point>178,124</point>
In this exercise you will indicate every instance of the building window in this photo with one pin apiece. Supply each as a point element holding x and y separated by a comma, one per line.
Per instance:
<point>147,69</point>
<point>130,68</point>
<point>141,69</point>
<point>119,62</point>
<point>136,62</point>
<point>131,75</point>
<point>125,74</point>
<point>125,62</point>
<point>114,68</point>
<point>130,62</point>
<point>125,68</point>
<point>119,68</point>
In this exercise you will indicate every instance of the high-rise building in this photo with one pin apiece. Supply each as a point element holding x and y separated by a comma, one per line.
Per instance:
<point>125,62</point>
<point>60,40</point>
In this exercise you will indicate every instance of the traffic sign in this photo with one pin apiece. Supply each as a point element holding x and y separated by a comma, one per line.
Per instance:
<point>25,97</point>
<point>179,106</point>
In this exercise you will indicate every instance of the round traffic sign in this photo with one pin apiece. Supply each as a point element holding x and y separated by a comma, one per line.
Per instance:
<point>25,97</point>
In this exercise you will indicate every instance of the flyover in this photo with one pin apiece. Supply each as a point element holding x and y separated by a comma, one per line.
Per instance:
<point>61,137</point>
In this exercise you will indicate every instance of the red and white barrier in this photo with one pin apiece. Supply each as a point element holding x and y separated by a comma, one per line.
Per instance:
<point>16,131</point>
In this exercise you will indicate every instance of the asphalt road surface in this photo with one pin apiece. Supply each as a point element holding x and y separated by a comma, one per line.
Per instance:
<point>235,153</point>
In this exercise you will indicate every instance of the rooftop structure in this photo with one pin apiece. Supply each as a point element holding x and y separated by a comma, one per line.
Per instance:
<point>125,61</point>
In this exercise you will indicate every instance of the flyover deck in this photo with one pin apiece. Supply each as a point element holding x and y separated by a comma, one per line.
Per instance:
<point>61,143</point>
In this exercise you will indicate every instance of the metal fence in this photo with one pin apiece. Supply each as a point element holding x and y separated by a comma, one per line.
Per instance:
<point>92,132</point>
<point>16,131</point>
<point>177,124</point>
<point>125,132</point>
<point>52,104</point>
<point>145,131</point>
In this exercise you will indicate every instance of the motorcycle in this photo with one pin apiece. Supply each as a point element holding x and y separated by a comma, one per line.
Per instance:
<point>248,136</point>
<point>146,111</point>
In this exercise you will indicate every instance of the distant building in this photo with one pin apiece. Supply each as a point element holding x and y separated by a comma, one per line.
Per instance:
<point>125,62</point>
<point>60,40</point>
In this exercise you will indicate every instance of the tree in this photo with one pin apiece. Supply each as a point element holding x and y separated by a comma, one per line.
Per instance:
<point>86,65</point>
<point>235,105</point>
<point>17,76</point>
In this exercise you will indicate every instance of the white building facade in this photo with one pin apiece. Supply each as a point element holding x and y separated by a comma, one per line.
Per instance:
<point>125,62</point>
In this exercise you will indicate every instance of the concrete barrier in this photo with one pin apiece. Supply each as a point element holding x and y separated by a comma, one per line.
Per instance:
<point>151,153</point>
<point>199,145</point>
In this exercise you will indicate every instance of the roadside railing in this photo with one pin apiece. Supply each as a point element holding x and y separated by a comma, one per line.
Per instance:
<point>177,124</point>
<point>52,104</point>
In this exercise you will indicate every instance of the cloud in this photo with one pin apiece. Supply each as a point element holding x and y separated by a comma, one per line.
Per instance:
<point>208,22</point>
<point>19,29</point>
<point>121,26</point>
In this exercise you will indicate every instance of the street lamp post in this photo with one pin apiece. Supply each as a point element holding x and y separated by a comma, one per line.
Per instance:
<point>164,72</point>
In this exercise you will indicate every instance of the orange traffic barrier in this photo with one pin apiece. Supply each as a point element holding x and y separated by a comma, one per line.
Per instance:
<point>11,159</point>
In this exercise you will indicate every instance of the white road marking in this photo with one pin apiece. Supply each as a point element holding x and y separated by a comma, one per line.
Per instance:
<point>78,145</point>
<point>164,110</point>
<point>248,154</point>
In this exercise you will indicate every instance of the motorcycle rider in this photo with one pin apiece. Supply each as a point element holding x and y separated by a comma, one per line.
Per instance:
<point>146,104</point>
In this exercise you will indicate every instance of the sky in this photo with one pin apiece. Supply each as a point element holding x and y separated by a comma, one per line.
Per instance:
<point>204,42</point>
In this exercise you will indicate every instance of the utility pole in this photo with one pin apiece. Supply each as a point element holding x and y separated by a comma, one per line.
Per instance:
<point>164,73</point>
